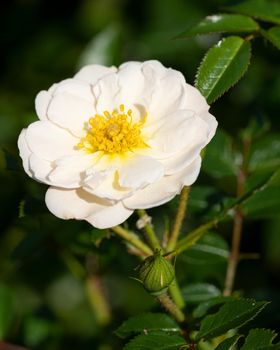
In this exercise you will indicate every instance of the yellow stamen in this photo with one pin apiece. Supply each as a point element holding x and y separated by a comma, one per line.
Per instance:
<point>113,133</point>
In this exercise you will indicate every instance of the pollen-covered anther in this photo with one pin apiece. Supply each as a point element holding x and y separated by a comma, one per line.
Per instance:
<point>113,133</point>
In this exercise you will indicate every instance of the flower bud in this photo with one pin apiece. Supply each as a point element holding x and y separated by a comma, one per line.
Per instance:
<point>156,273</point>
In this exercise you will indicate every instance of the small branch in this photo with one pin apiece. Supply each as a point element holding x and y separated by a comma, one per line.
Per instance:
<point>237,222</point>
<point>234,256</point>
<point>167,303</point>
<point>149,231</point>
<point>176,294</point>
<point>180,215</point>
<point>98,300</point>
<point>132,239</point>
<point>193,236</point>
<point>249,256</point>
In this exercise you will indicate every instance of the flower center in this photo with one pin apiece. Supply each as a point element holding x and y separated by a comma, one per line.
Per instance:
<point>113,133</point>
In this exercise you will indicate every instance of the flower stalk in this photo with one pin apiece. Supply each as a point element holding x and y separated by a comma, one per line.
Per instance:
<point>132,239</point>
<point>180,215</point>
<point>167,303</point>
<point>149,232</point>
<point>176,294</point>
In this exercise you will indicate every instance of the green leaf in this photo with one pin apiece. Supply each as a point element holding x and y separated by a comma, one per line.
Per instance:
<point>264,202</point>
<point>6,310</point>
<point>228,344</point>
<point>152,341</point>
<point>265,154</point>
<point>260,339</point>
<point>204,307</point>
<point>222,67</point>
<point>220,160</point>
<point>147,322</point>
<point>273,35</point>
<point>210,249</point>
<point>221,23</point>
<point>266,10</point>
<point>233,314</point>
<point>198,292</point>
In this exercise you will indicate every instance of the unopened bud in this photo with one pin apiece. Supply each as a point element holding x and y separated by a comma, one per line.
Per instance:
<point>156,273</point>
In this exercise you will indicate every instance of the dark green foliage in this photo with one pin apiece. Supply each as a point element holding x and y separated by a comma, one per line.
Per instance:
<point>260,339</point>
<point>228,344</point>
<point>266,10</point>
<point>273,35</point>
<point>148,322</point>
<point>221,23</point>
<point>222,67</point>
<point>7,310</point>
<point>47,264</point>
<point>233,314</point>
<point>160,341</point>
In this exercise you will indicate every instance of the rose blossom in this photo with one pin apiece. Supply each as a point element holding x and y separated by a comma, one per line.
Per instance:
<point>111,140</point>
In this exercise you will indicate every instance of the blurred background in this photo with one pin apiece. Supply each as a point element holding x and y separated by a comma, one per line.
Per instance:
<point>64,285</point>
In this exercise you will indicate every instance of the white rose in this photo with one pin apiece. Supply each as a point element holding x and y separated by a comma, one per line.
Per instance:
<point>113,140</point>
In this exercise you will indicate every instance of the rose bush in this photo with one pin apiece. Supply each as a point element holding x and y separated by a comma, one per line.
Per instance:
<point>111,140</point>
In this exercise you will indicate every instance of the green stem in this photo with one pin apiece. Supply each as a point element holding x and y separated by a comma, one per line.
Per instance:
<point>238,221</point>
<point>149,232</point>
<point>194,236</point>
<point>98,301</point>
<point>176,294</point>
<point>132,239</point>
<point>171,307</point>
<point>180,215</point>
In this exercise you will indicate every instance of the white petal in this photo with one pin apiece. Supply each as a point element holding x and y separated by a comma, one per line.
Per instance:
<point>135,88</point>
<point>151,196</point>
<point>71,112</point>
<point>108,188</point>
<point>106,92</point>
<point>42,101</point>
<point>69,171</point>
<point>24,151</point>
<point>40,169</point>
<point>92,73</point>
<point>194,100</point>
<point>188,176</point>
<point>169,95</point>
<point>139,171</point>
<point>72,204</point>
<point>165,189</point>
<point>74,87</point>
<point>109,216</point>
<point>78,204</point>
<point>180,130</point>
<point>50,142</point>
<point>212,123</point>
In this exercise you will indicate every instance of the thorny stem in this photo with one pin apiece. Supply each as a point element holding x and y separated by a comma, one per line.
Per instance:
<point>133,240</point>
<point>180,215</point>
<point>237,223</point>
<point>171,307</point>
<point>149,231</point>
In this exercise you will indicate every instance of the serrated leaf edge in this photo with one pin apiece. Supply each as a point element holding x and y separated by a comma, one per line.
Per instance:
<point>264,304</point>
<point>240,77</point>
